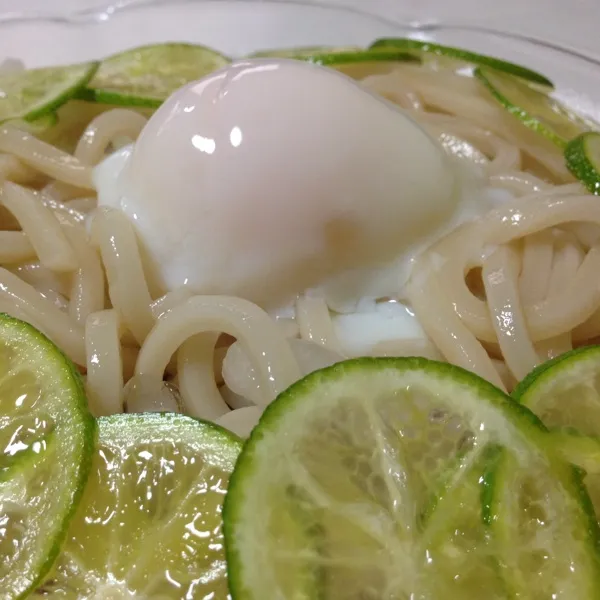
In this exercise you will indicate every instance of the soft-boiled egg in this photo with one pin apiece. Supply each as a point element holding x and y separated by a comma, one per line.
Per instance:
<point>270,177</point>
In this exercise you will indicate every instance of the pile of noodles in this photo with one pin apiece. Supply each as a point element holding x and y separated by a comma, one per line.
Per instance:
<point>497,296</point>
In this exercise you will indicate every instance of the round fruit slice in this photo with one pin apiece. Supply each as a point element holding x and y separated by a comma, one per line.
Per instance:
<point>583,160</point>
<point>46,443</point>
<point>148,75</point>
<point>451,57</point>
<point>534,107</point>
<point>33,93</point>
<point>338,56</point>
<point>303,52</point>
<point>354,62</point>
<point>336,59</point>
<point>565,391</point>
<point>362,64</point>
<point>540,540</point>
<point>332,494</point>
<point>565,394</point>
<point>149,524</point>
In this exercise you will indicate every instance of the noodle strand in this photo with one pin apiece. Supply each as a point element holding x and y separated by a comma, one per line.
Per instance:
<point>104,382</point>
<point>239,318</point>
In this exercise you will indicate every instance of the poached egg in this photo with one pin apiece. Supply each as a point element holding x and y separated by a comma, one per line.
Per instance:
<point>272,177</point>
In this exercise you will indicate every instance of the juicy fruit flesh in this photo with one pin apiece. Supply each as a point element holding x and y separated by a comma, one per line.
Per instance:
<point>31,94</point>
<point>46,434</point>
<point>381,495</point>
<point>149,526</point>
<point>154,72</point>
<point>384,522</point>
<point>24,456</point>
<point>533,555</point>
<point>570,397</point>
<point>566,398</point>
<point>21,432</point>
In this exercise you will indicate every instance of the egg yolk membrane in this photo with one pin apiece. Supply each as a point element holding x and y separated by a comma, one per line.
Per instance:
<point>271,177</point>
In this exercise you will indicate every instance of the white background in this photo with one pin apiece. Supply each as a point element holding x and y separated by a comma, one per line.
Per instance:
<point>573,23</point>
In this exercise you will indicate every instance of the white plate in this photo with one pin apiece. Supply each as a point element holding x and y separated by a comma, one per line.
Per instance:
<point>240,26</point>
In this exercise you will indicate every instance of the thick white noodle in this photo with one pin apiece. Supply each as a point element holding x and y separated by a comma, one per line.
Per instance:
<point>197,384</point>
<point>104,382</point>
<point>245,321</point>
<point>41,226</point>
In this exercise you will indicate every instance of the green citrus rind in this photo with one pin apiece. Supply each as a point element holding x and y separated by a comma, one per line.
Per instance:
<point>465,56</point>
<point>148,75</point>
<point>64,465</point>
<point>152,477</point>
<point>35,93</point>
<point>280,432</point>
<point>582,156</point>
<point>535,108</point>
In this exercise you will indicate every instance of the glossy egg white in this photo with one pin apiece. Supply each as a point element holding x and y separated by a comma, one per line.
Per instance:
<point>272,176</point>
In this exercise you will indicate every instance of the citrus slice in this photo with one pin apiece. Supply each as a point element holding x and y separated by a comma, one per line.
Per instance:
<point>34,93</point>
<point>358,449</point>
<point>338,56</point>
<point>46,443</point>
<point>148,75</point>
<point>583,160</point>
<point>303,52</point>
<point>362,64</point>
<point>537,534</point>
<point>354,62</point>
<point>534,107</point>
<point>149,524</point>
<point>336,59</point>
<point>565,393</point>
<point>448,56</point>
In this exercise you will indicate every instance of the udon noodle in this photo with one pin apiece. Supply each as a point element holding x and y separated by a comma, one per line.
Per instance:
<point>496,296</point>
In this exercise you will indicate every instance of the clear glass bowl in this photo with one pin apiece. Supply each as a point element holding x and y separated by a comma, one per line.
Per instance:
<point>68,33</point>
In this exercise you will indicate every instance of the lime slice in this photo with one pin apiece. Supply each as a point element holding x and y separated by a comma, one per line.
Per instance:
<point>149,524</point>
<point>534,107</point>
<point>359,449</point>
<point>354,62</point>
<point>583,160</point>
<point>541,541</point>
<point>336,59</point>
<point>362,64</point>
<point>339,56</point>
<point>565,394</point>
<point>148,75</point>
<point>34,93</point>
<point>303,52</point>
<point>451,57</point>
<point>46,443</point>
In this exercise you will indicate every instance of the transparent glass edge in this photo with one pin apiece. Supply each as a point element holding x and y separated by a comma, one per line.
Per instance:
<point>388,11</point>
